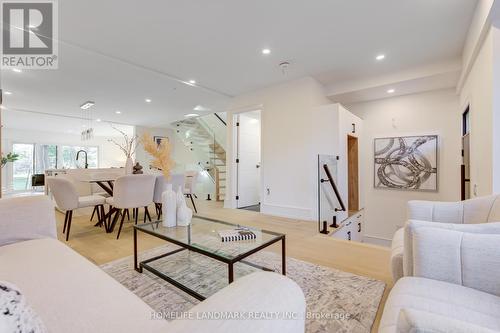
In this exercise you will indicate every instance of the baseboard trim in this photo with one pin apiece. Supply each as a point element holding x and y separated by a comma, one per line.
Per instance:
<point>298,213</point>
<point>377,240</point>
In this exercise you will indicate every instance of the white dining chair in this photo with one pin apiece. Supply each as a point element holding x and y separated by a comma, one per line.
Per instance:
<point>130,192</point>
<point>191,180</point>
<point>67,199</point>
<point>176,179</point>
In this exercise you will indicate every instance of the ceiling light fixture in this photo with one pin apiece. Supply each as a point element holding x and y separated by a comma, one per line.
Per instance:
<point>87,105</point>
<point>7,93</point>
<point>201,108</point>
<point>118,112</point>
<point>380,57</point>
<point>191,115</point>
<point>148,100</point>
<point>17,70</point>
<point>98,120</point>
<point>192,81</point>
<point>266,51</point>
<point>391,91</point>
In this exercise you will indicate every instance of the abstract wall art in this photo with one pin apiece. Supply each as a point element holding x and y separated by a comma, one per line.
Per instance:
<point>406,163</point>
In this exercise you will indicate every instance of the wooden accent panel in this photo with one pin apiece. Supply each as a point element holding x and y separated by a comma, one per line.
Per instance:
<point>353,173</point>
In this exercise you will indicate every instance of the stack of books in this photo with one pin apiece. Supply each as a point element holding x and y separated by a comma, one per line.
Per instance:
<point>236,235</point>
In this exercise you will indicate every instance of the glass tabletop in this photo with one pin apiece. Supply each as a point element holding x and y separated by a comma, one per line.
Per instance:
<point>202,234</point>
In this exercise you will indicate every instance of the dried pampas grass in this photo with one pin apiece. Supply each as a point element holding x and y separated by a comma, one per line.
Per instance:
<point>160,153</point>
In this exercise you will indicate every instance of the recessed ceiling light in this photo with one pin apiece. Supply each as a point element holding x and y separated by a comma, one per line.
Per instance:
<point>87,105</point>
<point>266,51</point>
<point>380,57</point>
<point>148,100</point>
<point>191,115</point>
<point>98,120</point>
<point>7,93</point>
<point>118,112</point>
<point>200,108</point>
<point>17,70</point>
<point>192,81</point>
<point>391,91</point>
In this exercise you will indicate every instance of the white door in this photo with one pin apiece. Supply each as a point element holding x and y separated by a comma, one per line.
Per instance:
<point>248,159</point>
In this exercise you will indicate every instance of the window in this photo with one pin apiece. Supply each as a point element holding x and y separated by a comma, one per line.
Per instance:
<point>22,169</point>
<point>46,158</point>
<point>68,157</point>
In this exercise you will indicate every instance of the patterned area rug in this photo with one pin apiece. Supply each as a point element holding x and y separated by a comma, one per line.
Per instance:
<point>350,301</point>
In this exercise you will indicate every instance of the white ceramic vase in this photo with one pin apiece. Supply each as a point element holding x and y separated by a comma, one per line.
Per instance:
<point>129,166</point>
<point>184,213</point>
<point>169,207</point>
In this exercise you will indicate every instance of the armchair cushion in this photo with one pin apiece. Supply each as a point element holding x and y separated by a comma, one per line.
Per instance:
<point>467,259</point>
<point>397,249</point>
<point>412,225</point>
<point>26,218</point>
<point>414,321</point>
<point>441,298</point>
<point>477,210</point>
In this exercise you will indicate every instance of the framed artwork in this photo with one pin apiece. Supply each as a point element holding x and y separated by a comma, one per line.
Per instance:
<point>406,163</point>
<point>158,139</point>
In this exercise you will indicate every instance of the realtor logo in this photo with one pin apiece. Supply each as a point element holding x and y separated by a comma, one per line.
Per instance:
<point>29,35</point>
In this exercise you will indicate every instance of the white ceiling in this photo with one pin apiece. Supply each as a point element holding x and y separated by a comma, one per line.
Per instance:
<point>119,52</point>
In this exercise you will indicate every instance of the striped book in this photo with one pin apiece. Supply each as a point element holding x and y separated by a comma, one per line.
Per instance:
<point>236,235</point>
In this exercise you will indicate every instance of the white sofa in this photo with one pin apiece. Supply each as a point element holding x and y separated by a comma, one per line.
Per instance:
<point>447,274</point>
<point>71,294</point>
<point>473,211</point>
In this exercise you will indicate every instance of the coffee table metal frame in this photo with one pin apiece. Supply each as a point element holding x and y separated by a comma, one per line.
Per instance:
<point>139,266</point>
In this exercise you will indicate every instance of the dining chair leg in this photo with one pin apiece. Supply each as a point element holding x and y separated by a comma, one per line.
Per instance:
<point>122,212</point>
<point>70,217</point>
<point>103,217</point>
<point>96,208</point>
<point>93,213</point>
<point>65,221</point>
<point>159,210</point>
<point>146,214</point>
<point>128,214</point>
<point>136,214</point>
<point>192,201</point>
<point>115,212</point>
<point>133,213</point>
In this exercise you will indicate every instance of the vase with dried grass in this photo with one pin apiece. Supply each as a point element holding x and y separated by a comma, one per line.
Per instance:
<point>128,147</point>
<point>162,161</point>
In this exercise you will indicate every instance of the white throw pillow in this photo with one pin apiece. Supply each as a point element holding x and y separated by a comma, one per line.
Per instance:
<point>15,313</point>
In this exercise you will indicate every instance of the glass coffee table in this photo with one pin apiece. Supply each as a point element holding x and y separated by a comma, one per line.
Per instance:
<point>201,237</point>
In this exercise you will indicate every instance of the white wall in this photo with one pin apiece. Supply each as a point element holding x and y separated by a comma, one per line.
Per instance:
<point>417,114</point>
<point>477,92</point>
<point>288,157</point>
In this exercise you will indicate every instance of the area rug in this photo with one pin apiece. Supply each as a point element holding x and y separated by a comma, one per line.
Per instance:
<point>336,301</point>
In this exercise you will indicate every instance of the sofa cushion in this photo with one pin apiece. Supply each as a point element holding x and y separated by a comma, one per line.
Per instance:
<point>467,259</point>
<point>412,225</point>
<point>15,313</point>
<point>414,321</point>
<point>25,218</point>
<point>397,251</point>
<point>440,298</point>
<point>70,293</point>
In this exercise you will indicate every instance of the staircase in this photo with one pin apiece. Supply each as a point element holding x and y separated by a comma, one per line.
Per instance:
<point>205,138</point>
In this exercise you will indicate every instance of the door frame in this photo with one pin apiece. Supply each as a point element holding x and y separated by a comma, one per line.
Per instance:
<point>234,155</point>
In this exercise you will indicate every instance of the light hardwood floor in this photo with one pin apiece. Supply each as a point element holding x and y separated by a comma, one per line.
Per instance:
<point>303,242</point>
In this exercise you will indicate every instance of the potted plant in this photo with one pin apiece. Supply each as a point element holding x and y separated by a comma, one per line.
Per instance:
<point>10,157</point>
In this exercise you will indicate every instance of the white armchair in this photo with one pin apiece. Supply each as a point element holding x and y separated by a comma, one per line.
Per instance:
<point>473,211</point>
<point>453,285</point>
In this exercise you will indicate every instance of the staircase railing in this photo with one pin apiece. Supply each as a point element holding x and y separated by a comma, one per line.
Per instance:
<point>205,137</point>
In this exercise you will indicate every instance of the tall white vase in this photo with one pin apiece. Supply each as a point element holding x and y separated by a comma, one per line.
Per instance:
<point>184,214</point>
<point>129,166</point>
<point>169,207</point>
